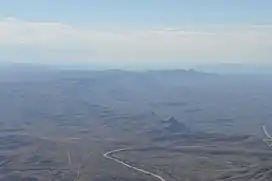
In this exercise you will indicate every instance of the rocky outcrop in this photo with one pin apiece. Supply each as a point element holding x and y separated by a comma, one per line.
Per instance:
<point>174,126</point>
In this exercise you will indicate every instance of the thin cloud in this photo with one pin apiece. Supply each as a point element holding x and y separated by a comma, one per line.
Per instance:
<point>52,41</point>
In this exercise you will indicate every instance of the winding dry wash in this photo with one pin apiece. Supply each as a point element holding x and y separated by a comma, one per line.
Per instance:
<point>107,155</point>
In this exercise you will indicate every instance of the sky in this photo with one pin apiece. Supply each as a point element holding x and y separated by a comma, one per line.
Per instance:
<point>136,33</point>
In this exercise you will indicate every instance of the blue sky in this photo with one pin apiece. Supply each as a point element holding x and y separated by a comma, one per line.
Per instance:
<point>142,33</point>
<point>141,12</point>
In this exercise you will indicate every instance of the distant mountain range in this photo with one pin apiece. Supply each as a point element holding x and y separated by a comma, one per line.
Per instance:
<point>236,68</point>
<point>223,68</point>
<point>33,71</point>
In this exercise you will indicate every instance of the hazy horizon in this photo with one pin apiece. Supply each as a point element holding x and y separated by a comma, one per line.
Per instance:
<point>136,35</point>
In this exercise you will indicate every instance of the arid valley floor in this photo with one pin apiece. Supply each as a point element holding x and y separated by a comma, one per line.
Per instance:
<point>181,125</point>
